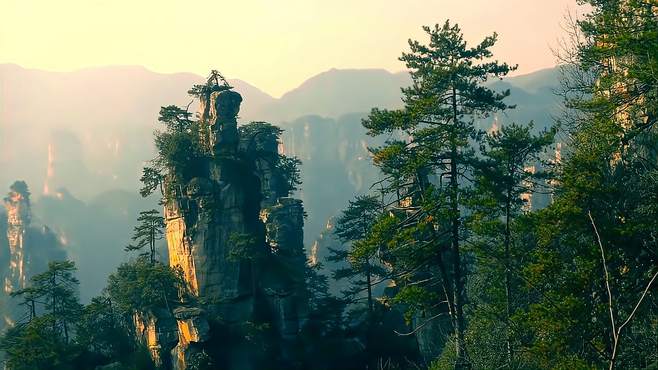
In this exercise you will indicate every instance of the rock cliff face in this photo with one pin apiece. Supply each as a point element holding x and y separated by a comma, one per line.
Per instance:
<point>26,249</point>
<point>17,205</point>
<point>238,239</point>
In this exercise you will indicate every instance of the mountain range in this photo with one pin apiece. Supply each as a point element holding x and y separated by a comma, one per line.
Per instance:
<point>100,119</point>
<point>80,138</point>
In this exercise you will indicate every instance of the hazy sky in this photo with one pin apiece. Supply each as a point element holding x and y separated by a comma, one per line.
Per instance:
<point>272,44</point>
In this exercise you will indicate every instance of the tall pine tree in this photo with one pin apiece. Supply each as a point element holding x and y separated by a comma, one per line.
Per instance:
<point>447,95</point>
<point>147,233</point>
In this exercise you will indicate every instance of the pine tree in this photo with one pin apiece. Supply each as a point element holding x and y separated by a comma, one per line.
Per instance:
<point>147,233</point>
<point>142,286</point>
<point>511,170</point>
<point>446,96</point>
<point>43,340</point>
<point>104,332</point>
<point>353,227</point>
<point>595,259</point>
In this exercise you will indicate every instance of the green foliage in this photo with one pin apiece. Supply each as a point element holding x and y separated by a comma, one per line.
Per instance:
<point>254,134</point>
<point>547,289</point>
<point>151,179</point>
<point>512,164</point>
<point>103,331</point>
<point>288,169</point>
<point>56,291</point>
<point>60,334</point>
<point>175,119</point>
<point>353,227</point>
<point>180,152</point>
<point>447,94</point>
<point>261,141</point>
<point>147,232</point>
<point>560,308</point>
<point>245,247</point>
<point>609,172</point>
<point>214,82</point>
<point>323,332</point>
<point>416,299</point>
<point>619,49</point>
<point>21,188</point>
<point>200,361</point>
<point>143,286</point>
<point>356,221</point>
<point>43,340</point>
<point>510,167</point>
<point>35,345</point>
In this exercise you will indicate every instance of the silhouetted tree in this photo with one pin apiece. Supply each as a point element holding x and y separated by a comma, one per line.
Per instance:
<point>147,233</point>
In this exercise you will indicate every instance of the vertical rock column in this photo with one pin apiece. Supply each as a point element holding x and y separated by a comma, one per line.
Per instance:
<point>235,192</point>
<point>283,283</point>
<point>159,332</point>
<point>179,245</point>
<point>17,204</point>
<point>210,208</point>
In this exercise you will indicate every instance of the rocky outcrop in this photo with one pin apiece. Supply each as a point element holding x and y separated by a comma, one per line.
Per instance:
<point>26,250</point>
<point>17,205</point>
<point>175,338</point>
<point>159,332</point>
<point>193,332</point>
<point>283,280</point>
<point>238,239</point>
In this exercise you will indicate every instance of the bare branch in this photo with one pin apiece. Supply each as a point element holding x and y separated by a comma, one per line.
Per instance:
<point>639,302</point>
<point>425,323</point>
<point>607,276</point>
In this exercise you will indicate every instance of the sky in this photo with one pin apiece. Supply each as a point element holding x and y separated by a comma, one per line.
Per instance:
<point>272,44</point>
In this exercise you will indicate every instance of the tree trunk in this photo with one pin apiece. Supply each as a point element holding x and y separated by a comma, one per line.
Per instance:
<point>461,361</point>
<point>66,333</point>
<point>152,243</point>
<point>613,357</point>
<point>508,280</point>
<point>447,290</point>
<point>446,283</point>
<point>53,281</point>
<point>33,310</point>
<point>369,282</point>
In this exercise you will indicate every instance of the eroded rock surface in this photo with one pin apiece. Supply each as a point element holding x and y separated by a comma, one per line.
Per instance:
<point>238,238</point>
<point>26,250</point>
<point>17,205</point>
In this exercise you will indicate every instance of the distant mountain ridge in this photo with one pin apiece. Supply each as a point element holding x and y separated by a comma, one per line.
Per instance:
<point>338,92</point>
<point>136,93</point>
<point>91,131</point>
<point>103,118</point>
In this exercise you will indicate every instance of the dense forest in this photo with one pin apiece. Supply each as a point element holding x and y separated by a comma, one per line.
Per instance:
<point>504,247</point>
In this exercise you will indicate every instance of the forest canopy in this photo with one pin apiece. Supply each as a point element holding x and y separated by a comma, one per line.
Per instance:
<point>484,243</point>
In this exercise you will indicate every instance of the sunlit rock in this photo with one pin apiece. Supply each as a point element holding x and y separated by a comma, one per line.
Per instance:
<point>238,239</point>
